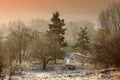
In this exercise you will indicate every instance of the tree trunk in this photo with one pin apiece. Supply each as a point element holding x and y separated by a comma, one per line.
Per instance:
<point>44,64</point>
<point>20,62</point>
<point>55,62</point>
<point>20,59</point>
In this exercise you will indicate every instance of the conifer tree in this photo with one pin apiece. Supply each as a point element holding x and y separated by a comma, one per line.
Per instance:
<point>56,35</point>
<point>83,40</point>
<point>56,28</point>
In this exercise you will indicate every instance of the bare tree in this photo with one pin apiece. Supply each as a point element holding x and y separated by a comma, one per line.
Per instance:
<point>108,53</point>
<point>46,49</point>
<point>19,40</point>
<point>41,49</point>
<point>110,18</point>
<point>107,48</point>
<point>3,60</point>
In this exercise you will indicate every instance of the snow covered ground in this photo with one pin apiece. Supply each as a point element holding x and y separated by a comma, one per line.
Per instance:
<point>79,74</point>
<point>59,74</point>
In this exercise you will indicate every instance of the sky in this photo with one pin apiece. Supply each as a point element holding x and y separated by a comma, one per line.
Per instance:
<point>71,10</point>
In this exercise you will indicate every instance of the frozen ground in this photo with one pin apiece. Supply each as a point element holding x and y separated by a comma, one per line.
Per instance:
<point>79,74</point>
<point>58,74</point>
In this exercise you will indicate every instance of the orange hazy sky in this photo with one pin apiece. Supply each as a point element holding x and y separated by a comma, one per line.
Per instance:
<point>69,9</point>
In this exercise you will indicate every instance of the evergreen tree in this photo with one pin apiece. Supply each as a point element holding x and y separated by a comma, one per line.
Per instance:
<point>55,35</point>
<point>56,28</point>
<point>83,40</point>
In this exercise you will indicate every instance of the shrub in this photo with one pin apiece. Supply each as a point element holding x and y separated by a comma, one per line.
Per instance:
<point>108,52</point>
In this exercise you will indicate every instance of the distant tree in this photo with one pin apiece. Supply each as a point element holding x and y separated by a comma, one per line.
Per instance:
<point>83,40</point>
<point>39,25</point>
<point>82,44</point>
<point>71,34</point>
<point>110,18</point>
<point>73,28</point>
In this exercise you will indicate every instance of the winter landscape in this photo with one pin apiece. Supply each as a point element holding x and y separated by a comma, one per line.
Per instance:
<point>59,39</point>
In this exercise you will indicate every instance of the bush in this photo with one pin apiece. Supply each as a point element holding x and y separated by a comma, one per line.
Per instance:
<point>108,52</point>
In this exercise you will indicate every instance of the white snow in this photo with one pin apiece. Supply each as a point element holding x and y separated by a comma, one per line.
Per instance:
<point>79,74</point>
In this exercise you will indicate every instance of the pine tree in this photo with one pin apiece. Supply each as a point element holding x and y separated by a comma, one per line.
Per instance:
<point>56,28</point>
<point>56,35</point>
<point>83,41</point>
<point>82,44</point>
